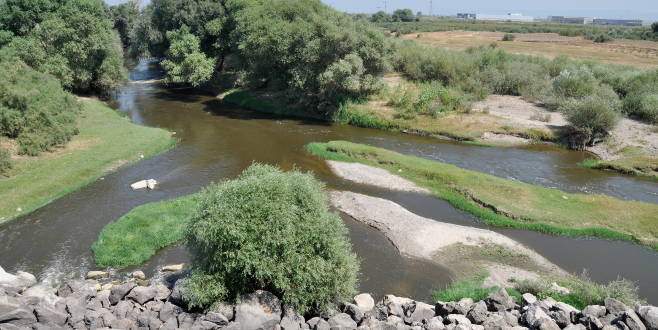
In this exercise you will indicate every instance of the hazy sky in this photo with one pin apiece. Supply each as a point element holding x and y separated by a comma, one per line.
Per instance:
<point>643,9</point>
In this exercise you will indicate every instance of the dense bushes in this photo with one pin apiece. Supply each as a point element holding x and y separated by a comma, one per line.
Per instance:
<point>73,40</point>
<point>5,161</point>
<point>591,119</point>
<point>427,98</point>
<point>270,230</point>
<point>34,109</point>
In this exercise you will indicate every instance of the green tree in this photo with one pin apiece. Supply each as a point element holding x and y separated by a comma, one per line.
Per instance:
<point>403,15</point>
<point>380,17</point>
<point>270,230</point>
<point>125,16</point>
<point>654,27</point>
<point>74,41</point>
<point>185,62</point>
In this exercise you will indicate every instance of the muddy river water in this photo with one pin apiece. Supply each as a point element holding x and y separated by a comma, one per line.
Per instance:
<point>218,141</point>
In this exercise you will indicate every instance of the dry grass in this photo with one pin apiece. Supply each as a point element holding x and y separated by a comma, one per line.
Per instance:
<point>638,53</point>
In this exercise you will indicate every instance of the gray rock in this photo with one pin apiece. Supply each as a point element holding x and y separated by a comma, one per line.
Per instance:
<point>259,310</point>
<point>93,319</point>
<point>342,321</point>
<point>435,323</point>
<point>154,305</point>
<point>177,295</point>
<point>162,292</point>
<point>76,308</point>
<point>495,322</point>
<point>590,322</point>
<point>546,324</point>
<point>561,317</point>
<point>575,327</point>
<point>533,315</point>
<point>632,320</point>
<point>354,312</point>
<point>185,320</point>
<point>511,317</point>
<point>614,306</point>
<point>21,316</point>
<point>478,313</point>
<point>313,323</point>
<point>118,292</point>
<point>46,313</point>
<point>142,294</point>
<point>204,325</point>
<point>463,306</point>
<point>528,299</point>
<point>217,318</point>
<point>365,302</point>
<point>594,310</point>
<point>122,309</point>
<point>395,304</point>
<point>648,314</point>
<point>421,313</point>
<point>444,308</point>
<point>123,324</point>
<point>500,301</point>
<point>225,309</point>
<point>169,311</point>
<point>458,319</point>
<point>292,320</point>
<point>171,323</point>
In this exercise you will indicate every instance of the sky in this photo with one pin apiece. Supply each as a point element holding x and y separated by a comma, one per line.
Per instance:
<point>640,9</point>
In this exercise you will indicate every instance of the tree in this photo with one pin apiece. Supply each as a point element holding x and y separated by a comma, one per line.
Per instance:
<point>185,62</point>
<point>125,17</point>
<point>403,15</point>
<point>380,17</point>
<point>72,40</point>
<point>654,27</point>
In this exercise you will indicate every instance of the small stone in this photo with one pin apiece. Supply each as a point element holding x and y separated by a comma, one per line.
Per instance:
<point>173,268</point>
<point>458,319</point>
<point>138,274</point>
<point>96,274</point>
<point>435,323</point>
<point>575,327</point>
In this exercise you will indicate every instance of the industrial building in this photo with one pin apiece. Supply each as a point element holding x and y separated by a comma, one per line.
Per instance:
<point>570,20</point>
<point>511,17</point>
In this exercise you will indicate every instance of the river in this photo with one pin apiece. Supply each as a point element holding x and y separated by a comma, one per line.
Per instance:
<point>218,141</point>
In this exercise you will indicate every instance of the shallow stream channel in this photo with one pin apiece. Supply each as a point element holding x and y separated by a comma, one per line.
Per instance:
<point>218,141</point>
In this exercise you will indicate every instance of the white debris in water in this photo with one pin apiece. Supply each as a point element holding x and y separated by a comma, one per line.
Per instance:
<point>150,184</point>
<point>19,209</point>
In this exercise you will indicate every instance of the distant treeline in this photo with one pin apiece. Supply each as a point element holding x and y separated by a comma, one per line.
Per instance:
<point>570,30</point>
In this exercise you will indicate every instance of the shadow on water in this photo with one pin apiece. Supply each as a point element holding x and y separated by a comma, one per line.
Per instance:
<point>218,141</point>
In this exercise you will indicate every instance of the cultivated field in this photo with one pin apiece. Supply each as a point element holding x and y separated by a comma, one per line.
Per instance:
<point>639,53</point>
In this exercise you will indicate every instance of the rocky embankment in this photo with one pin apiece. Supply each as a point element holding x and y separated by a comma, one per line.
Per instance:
<point>139,304</point>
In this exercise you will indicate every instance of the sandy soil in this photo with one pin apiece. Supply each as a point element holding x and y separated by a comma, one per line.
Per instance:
<point>518,112</point>
<point>364,174</point>
<point>639,53</point>
<point>424,238</point>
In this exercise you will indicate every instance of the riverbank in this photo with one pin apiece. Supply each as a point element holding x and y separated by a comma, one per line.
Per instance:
<point>510,204</point>
<point>106,142</point>
<point>133,301</point>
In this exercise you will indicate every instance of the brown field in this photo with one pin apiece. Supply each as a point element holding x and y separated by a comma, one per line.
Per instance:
<point>638,53</point>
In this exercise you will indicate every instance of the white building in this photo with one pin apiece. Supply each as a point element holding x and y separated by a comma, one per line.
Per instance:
<point>511,17</point>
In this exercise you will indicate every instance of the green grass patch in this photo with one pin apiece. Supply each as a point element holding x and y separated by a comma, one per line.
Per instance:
<point>466,288</point>
<point>511,204</point>
<point>105,142</point>
<point>138,235</point>
<point>634,165</point>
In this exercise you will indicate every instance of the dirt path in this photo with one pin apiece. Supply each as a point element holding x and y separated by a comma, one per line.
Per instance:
<point>444,243</point>
<point>365,174</point>
<point>518,112</point>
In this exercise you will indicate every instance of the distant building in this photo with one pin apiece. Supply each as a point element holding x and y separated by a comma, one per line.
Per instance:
<point>570,20</point>
<point>466,16</point>
<point>511,17</point>
<point>623,22</point>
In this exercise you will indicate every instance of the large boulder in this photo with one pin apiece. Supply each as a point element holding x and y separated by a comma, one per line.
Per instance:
<point>478,313</point>
<point>22,316</point>
<point>259,310</point>
<point>47,314</point>
<point>342,321</point>
<point>500,300</point>
<point>648,314</point>
<point>365,302</point>
<point>142,294</point>
<point>614,306</point>
<point>118,292</point>
<point>420,313</point>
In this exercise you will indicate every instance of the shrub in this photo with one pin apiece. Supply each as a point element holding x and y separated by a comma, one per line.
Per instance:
<point>578,82</point>
<point>270,230</point>
<point>508,37</point>
<point>5,161</point>
<point>34,109</point>
<point>591,118</point>
<point>642,106</point>
<point>583,291</point>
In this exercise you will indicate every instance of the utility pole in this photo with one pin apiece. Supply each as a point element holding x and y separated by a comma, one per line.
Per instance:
<point>385,6</point>
<point>431,8</point>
